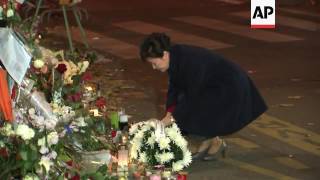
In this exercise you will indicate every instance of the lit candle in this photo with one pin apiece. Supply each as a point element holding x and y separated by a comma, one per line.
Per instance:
<point>124,139</point>
<point>95,112</point>
<point>88,88</point>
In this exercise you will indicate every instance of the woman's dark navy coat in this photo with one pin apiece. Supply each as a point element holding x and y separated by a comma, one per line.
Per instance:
<point>213,96</point>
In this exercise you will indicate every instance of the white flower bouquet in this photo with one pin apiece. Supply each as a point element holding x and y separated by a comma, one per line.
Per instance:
<point>154,145</point>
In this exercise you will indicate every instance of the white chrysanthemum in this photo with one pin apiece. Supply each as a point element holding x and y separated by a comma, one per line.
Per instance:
<point>177,166</point>
<point>143,157</point>
<point>175,127</point>
<point>133,129</point>
<point>164,157</point>
<point>31,177</point>
<point>25,132</point>
<point>172,133</point>
<point>134,152</point>
<point>164,143</point>
<point>180,141</point>
<point>46,162</point>
<point>145,128</point>
<point>151,140</point>
<point>53,138</point>
<point>38,63</point>
<point>187,157</point>
<point>139,135</point>
<point>136,143</point>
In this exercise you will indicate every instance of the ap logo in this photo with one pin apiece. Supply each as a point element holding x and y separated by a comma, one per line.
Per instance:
<point>263,13</point>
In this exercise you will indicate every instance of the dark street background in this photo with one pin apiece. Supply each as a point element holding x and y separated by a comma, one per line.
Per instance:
<point>284,63</point>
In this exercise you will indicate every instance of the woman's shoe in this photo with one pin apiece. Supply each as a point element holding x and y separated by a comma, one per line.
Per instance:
<point>222,150</point>
<point>201,154</point>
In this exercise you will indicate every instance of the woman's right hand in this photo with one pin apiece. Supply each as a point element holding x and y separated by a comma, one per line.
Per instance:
<point>168,119</point>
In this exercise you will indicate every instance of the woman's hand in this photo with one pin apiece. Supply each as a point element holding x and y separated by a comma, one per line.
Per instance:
<point>168,119</point>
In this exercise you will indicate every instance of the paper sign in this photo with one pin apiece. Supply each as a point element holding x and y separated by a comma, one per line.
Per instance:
<point>13,55</point>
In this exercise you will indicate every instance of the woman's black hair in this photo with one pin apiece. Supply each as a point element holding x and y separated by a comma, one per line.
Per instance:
<point>154,45</point>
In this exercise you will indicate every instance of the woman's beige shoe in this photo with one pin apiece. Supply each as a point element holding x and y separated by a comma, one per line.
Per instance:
<point>222,149</point>
<point>201,154</point>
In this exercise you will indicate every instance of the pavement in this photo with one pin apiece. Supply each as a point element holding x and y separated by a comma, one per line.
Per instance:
<point>284,143</point>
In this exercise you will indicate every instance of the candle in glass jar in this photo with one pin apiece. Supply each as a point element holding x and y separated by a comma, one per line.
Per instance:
<point>123,121</point>
<point>123,157</point>
<point>182,176</point>
<point>155,177</point>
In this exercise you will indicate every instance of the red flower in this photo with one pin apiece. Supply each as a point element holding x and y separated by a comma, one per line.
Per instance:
<point>69,163</point>
<point>76,177</point>
<point>75,97</point>
<point>87,76</point>
<point>113,133</point>
<point>101,102</point>
<point>61,68</point>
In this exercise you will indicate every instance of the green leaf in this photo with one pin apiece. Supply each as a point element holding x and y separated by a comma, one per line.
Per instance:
<point>61,177</point>
<point>28,165</point>
<point>24,155</point>
<point>97,176</point>
<point>103,169</point>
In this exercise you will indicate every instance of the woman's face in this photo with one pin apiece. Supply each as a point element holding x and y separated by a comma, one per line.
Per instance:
<point>161,63</point>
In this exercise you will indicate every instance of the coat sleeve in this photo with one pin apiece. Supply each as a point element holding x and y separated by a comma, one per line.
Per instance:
<point>172,95</point>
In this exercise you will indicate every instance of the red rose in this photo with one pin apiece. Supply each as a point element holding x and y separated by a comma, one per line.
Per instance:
<point>101,102</point>
<point>61,68</point>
